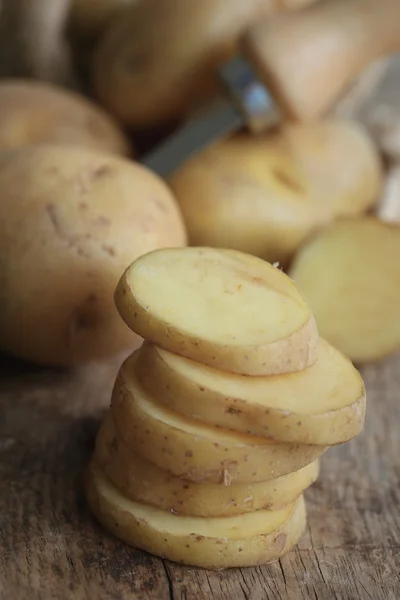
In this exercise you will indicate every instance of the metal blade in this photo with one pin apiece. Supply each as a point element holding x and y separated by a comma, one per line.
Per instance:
<point>221,120</point>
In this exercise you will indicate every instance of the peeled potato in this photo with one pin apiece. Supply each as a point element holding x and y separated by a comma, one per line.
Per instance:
<point>350,274</point>
<point>33,112</point>
<point>142,481</point>
<point>195,451</point>
<point>158,59</point>
<point>324,404</point>
<point>244,540</point>
<point>223,308</point>
<point>71,220</point>
<point>266,194</point>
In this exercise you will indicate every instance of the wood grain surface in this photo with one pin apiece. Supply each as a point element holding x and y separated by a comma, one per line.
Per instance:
<point>52,549</point>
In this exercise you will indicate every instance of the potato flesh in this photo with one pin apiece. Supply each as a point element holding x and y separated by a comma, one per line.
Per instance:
<point>195,451</point>
<point>223,308</point>
<point>244,540</point>
<point>351,277</point>
<point>142,481</point>
<point>330,384</point>
<point>324,404</point>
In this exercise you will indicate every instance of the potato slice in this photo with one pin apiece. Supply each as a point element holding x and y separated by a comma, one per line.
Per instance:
<point>266,194</point>
<point>142,481</point>
<point>195,451</point>
<point>324,404</point>
<point>350,274</point>
<point>244,540</point>
<point>223,308</point>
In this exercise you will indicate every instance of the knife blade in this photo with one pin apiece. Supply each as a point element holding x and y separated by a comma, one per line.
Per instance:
<point>244,102</point>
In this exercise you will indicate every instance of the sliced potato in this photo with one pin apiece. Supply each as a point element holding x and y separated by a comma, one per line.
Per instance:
<point>350,274</point>
<point>194,451</point>
<point>244,540</point>
<point>142,481</point>
<point>324,404</point>
<point>266,194</point>
<point>223,308</point>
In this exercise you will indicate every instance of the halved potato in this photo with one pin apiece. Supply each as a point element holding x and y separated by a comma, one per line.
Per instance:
<point>195,451</point>
<point>350,274</point>
<point>244,540</point>
<point>266,194</point>
<point>223,308</point>
<point>324,404</point>
<point>142,481</point>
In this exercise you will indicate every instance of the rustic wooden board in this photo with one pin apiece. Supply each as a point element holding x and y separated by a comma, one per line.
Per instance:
<point>52,549</point>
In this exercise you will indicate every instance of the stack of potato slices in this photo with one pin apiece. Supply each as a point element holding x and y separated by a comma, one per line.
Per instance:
<point>217,422</point>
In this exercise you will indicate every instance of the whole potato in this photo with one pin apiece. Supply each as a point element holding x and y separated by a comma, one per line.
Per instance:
<point>32,112</point>
<point>89,18</point>
<point>158,58</point>
<point>71,221</point>
<point>265,194</point>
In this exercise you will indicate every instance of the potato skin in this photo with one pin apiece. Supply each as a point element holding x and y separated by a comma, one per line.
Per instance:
<point>89,18</point>
<point>142,481</point>
<point>265,195</point>
<point>71,220</point>
<point>158,58</point>
<point>196,550</point>
<point>33,112</point>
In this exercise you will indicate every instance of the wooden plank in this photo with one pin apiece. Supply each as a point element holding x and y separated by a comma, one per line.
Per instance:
<point>51,548</point>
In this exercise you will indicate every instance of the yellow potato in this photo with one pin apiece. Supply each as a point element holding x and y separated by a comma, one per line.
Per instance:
<point>223,308</point>
<point>89,18</point>
<point>244,540</point>
<point>266,194</point>
<point>350,274</point>
<point>195,451</point>
<point>142,481</point>
<point>33,112</point>
<point>158,59</point>
<point>323,405</point>
<point>71,220</point>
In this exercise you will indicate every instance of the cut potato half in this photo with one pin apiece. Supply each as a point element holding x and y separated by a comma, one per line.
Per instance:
<point>244,540</point>
<point>323,405</point>
<point>350,274</point>
<point>142,481</point>
<point>222,308</point>
<point>194,451</point>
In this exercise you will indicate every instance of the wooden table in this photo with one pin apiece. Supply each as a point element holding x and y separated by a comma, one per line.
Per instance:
<point>52,549</point>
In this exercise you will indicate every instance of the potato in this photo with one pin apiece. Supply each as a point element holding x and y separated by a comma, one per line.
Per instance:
<point>193,450</point>
<point>350,274</point>
<point>71,220</point>
<point>266,194</point>
<point>89,18</point>
<point>239,541</point>
<point>158,59</point>
<point>223,308</point>
<point>142,481</point>
<point>32,112</point>
<point>323,405</point>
